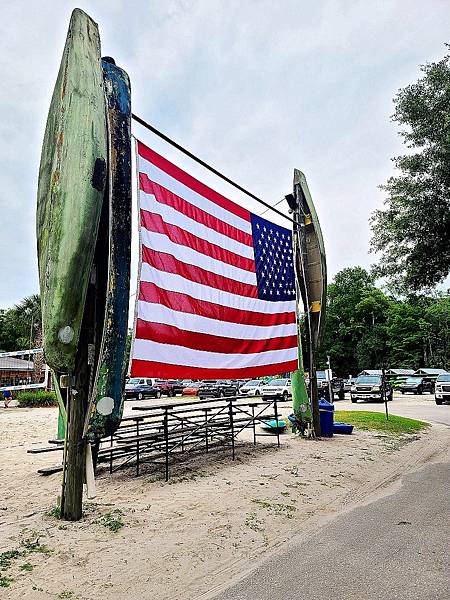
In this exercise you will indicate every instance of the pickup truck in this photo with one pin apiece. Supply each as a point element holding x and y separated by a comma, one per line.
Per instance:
<point>442,388</point>
<point>169,387</point>
<point>370,387</point>
<point>337,386</point>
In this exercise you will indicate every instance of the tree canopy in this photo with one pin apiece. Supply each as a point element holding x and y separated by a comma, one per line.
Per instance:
<point>20,322</point>
<point>412,229</point>
<point>367,329</point>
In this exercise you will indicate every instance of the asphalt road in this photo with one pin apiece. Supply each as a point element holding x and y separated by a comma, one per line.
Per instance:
<point>395,548</point>
<point>408,405</point>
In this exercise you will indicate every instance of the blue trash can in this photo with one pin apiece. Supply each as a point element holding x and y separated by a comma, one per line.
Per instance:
<point>326,410</point>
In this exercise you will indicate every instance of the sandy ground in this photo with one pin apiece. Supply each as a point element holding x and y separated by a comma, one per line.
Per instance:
<point>181,540</point>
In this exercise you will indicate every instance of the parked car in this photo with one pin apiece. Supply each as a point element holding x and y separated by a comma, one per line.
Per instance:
<point>169,387</point>
<point>217,388</point>
<point>348,384</point>
<point>442,388</point>
<point>370,387</point>
<point>277,388</point>
<point>252,388</point>
<point>190,388</point>
<point>416,385</point>
<point>337,386</point>
<point>140,388</point>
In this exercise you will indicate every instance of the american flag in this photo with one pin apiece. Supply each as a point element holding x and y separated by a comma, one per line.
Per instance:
<point>216,294</point>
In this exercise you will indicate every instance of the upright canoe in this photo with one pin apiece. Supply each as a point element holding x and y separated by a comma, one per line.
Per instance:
<point>71,185</point>
<point>106,401</point>
<point>314,285</point>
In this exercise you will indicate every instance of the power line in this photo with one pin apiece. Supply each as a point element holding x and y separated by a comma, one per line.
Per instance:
<point>273,206</point>
<point>167,139</point>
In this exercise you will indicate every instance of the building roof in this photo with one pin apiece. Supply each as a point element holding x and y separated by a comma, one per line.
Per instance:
<point>8,363</point>
<point>430,372</point>
<point>371,372</point>
<point>400,372</point>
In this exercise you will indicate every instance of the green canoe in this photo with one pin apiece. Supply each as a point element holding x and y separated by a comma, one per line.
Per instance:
<point>70,192</point>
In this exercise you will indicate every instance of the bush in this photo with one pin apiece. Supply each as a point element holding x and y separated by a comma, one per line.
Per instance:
<point>36,398</point>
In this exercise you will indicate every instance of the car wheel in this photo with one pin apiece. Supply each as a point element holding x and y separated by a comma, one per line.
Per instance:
<point>419,391</point>
<point>170,393</point>
<point>354,400</point>
<point>158,394</point>
<point>341,395</point>
<point>140,396</point>
<point>390,397</point>
<point>438,402</point>
<point>285,396</point>
<point>257,393</point>
<point>221,394</point>
<point>403,393</point>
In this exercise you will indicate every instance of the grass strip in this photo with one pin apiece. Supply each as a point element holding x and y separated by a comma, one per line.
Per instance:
<point>376,421</point>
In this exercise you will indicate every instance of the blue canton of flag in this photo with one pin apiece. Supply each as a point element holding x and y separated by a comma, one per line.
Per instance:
<point>274,260</point>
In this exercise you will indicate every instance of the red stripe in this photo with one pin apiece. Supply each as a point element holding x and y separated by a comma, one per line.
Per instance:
<point>165,196</point>
<point>169,264</point>
<point>146,368</point>
<point>191,182</point>
<point>150,292</point>
<point>168,334</point>
<point>154,222</point>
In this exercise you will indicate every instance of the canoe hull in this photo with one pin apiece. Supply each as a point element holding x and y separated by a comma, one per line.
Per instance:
<point>106,404</point>
<point>70,191</point>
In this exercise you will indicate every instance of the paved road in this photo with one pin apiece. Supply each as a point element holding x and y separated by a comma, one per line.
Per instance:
<point>408,405</point>
<point>394,548</point>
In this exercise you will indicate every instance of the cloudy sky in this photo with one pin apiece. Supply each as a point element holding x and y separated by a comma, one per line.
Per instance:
<point>254,87</point>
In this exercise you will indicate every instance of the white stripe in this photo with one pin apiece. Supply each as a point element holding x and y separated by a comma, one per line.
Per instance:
<point>174,217</point>
<point>161,243</point>
<point>179,189</point>
<point>175,283</point>
<point>157,313</point>
<point>179,355</point>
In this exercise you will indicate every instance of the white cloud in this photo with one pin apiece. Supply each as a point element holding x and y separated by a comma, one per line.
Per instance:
<point>256,88</point>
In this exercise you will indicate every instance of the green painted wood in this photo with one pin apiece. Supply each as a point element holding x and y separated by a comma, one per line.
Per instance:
<point>313,282</point>
<point>106,404</point>
<point>70,191</point>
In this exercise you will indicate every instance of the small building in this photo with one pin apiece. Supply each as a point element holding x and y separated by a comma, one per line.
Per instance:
<point>400,372</point>
<point>371,372</point>
<point>15,371</point>
<point>432,373</point>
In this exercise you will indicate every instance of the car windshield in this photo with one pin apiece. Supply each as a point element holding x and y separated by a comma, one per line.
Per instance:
<point>445,377</point>
<point>321,375</point>
<point>373,379</point>
<point>252,383</point>
<point>186,382</point>
<point>279,382</point>
<point>413,380</point>
<point>134,380</point>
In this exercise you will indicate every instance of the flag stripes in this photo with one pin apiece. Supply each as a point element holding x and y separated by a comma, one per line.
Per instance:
<point>199,313</point>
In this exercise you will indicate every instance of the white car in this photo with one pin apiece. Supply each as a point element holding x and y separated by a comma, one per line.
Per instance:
<point>251,388</point>
<point>442,388</point>
<point>277,388</point>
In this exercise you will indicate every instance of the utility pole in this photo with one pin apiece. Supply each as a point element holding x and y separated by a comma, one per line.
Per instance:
<point>330,387</point>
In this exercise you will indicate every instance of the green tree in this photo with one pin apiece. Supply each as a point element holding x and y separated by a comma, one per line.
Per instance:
<point>344,326</point>
<point>20,322</point>
<point>411,232</point>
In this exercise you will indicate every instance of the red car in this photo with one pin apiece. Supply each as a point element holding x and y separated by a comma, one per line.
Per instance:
<point>190,388</point>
